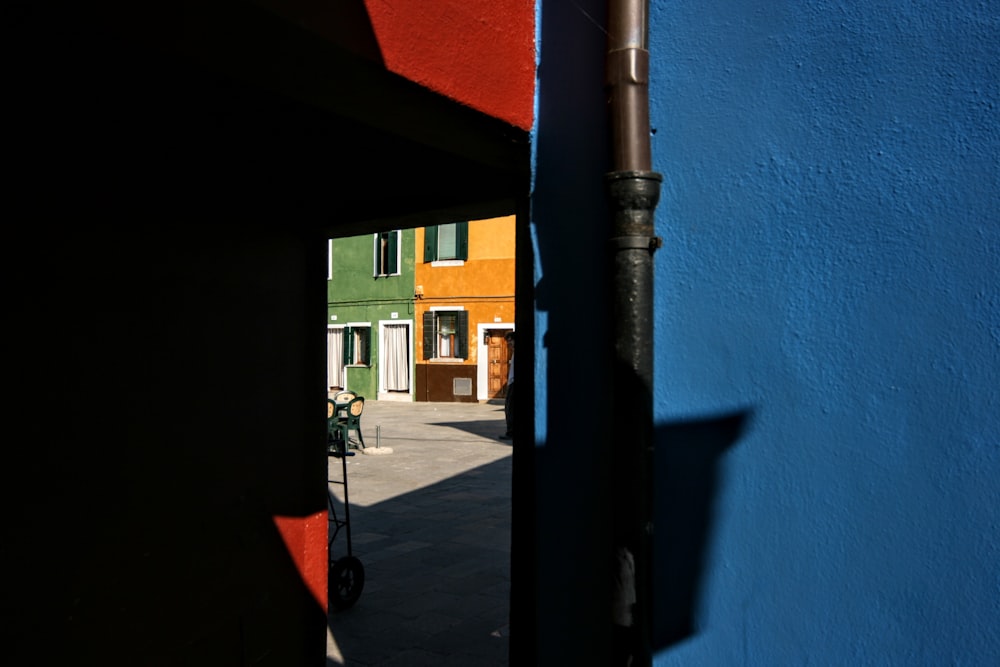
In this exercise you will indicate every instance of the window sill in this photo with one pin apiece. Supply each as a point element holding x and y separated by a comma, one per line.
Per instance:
<point>446,360</point>
<point>448,262</point>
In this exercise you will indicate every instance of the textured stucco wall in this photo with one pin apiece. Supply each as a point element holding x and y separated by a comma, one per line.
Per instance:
<point>478,52</point>
<point>488,272</point>
<point>355,295</point>
<point>831,217</point>
<point>831,223</point>
<point>483,285</point>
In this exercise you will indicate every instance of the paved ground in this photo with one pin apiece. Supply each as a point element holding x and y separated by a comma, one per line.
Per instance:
<point>430,523</point>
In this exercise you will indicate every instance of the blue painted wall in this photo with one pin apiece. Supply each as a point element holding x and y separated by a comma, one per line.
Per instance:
<point>831,217</point>
<point>827,330</point>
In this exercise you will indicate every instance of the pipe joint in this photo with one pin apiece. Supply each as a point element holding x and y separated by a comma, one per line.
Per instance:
<point>633,196</point>
<point>627,66</point>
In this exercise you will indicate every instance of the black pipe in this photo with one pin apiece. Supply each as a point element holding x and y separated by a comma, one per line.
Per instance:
<point>633,192</point>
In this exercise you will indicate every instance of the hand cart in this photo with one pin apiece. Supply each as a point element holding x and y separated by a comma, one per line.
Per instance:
<point>347,574</point>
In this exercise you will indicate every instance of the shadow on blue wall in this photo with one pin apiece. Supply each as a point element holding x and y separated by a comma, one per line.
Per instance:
<point>686,474</point>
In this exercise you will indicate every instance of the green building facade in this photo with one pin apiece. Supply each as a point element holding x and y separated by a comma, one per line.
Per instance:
<point>370,315</point>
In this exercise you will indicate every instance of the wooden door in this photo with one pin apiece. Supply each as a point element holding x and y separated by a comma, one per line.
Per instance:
<point>498,355</point>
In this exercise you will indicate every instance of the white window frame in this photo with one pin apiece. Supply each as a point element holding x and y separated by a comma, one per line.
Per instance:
<point>377,254</point>
<point>353,326</point>
<point>342,380</point>
<point>452,261</point>
<point>381,356</point>
<point>482,366</point>
<point>435,311</point>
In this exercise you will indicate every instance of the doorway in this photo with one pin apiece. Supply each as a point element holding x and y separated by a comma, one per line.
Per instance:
<point>395,361</point>
<point>335,359</point>
<point>493,361</point>
<point>498,362</point>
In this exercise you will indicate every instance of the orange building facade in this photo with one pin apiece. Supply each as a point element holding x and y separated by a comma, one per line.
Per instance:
<point>464,287</point>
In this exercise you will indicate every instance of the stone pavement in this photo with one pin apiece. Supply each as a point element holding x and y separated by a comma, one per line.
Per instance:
<point>430,523</point>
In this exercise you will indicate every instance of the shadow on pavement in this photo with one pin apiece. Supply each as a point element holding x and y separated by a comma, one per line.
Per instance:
<point>436,559</point>
<point>487,428</point>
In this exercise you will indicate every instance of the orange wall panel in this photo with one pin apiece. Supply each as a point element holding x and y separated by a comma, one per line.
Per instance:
<point>483,285</point>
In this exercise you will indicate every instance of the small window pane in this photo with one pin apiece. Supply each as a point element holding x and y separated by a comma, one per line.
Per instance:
<point>448,241</point>
<point>447,326</point>
<point>446,323</point>
<point>360,346</point>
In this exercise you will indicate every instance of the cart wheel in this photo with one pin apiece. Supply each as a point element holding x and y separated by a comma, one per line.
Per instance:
<point>347,579</point>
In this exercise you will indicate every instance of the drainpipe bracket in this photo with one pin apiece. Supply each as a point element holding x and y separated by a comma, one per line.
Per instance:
<point>640,174</point>
<point>650,243</point>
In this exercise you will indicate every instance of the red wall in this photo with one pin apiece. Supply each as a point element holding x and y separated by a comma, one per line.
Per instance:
<point>478,52</point>
<point>306,541</point>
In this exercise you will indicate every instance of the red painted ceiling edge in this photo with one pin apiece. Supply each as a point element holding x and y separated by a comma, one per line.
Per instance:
<point>480,53</point>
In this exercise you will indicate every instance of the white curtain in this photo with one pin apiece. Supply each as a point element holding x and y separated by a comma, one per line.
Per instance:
<point>335,358</point>
<point>395,357</point>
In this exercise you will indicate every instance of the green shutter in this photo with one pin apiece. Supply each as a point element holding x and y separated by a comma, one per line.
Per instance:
<point>430,243</point>
<point>393,244</point>
<point>347,345</point>
<point>462,334</point>
<point>428,335</point>
<point>462,240</point>
<point>367,333</point>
